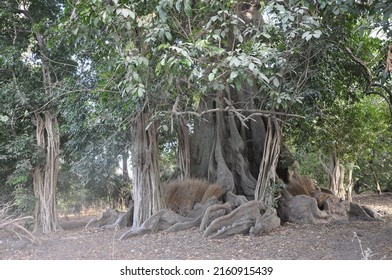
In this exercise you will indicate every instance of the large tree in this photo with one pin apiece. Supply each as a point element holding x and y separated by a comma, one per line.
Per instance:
<point>222,76</point>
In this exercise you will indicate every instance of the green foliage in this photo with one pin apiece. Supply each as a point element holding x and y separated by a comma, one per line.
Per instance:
<point>24,201</point>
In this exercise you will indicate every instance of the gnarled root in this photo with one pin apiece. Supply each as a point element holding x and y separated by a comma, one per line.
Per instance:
<point>240,227</point>
<point>236,221</point>
<point>161,220</point>
<point>212,213</point>
<point>268,221</point>
<point>300,209</point>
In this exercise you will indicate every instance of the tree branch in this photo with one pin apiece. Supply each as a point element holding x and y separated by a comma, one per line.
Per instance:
<point>367,74</point>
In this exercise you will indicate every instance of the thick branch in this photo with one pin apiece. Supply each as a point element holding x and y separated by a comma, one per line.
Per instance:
<point>253,112</point>
<point>367,74</point>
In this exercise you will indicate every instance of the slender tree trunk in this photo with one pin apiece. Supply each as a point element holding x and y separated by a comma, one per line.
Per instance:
<point>125,171</point>
<point>267,175</point>
<point>184,157</point>
<point>336,176</point>
<point>146,184</point>
<point>341,190</point>
<point>333,171</point>
<point>350,182</point>
<point>45,175</point>
<point>378,188</point>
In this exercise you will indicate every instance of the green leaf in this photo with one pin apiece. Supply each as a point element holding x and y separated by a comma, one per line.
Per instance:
<point>234,61</point>
<point>168,36</point>
<point>178,5</point>
<point>141,90</point>
<point>307,36</point>
<point>250,81</point>
<point>165,127</point>
<point>276,82</point>
<point>238,84</point>
<point>317,34</point>
<point>233,75</point>
<point>264,77</point>
<point>211,76</point>
<point>126,13</point>
<point>187,8</point>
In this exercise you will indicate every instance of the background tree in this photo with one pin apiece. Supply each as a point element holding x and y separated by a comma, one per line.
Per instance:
<point>339,114</point>
<point>35,71</point>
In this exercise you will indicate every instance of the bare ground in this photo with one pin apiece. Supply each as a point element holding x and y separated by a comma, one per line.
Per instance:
<point>336,241</point>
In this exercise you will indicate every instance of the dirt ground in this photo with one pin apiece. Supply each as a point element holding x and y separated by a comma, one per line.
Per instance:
<point>336,241</point>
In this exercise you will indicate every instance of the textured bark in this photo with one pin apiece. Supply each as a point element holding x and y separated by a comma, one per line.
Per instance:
<point>227,149</point>
<point>146,186</point>
<point>350,182</point>
<point>336,174</point>
<point>267,176</point>
<point>240,220</point>
<point>303,209</point>
<point>300,209</point>
<point>184,157</point>
<point>45,175</point>
<point>268,221</point>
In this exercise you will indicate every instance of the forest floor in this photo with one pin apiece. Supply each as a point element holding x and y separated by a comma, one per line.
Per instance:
<point>335,241</point>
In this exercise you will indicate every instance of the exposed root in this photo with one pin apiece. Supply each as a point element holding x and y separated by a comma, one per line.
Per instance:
<point>268,221</point>
<point>214,212</point>
<point>231,224</point>
<point>160,221</point>
<point>111,218</point>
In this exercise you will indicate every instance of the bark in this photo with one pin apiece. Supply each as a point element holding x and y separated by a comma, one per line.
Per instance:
<point>268,221</point>
<point>184,156</point>
<point>45,175</point>
<point>267,176</point>
<point>240,220</point>
<point>336,174</point>
<point>125,171</point>
<point>303,209</point>
<point>225,149</point>
<point>333,174</point>
<point>341,190</point>
<point>350,182</point>
<point>146,186</point>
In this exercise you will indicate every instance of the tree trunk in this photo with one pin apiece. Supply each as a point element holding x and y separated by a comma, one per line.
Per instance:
<point>269,163</point>
<point>341,190</point>
<point>45,175</point>
<point>184,156</point>
<point>225,149</point>
<point>146,184</point>
<point>350,182</point>
<point>125,172</point>
<point>336,176</point>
